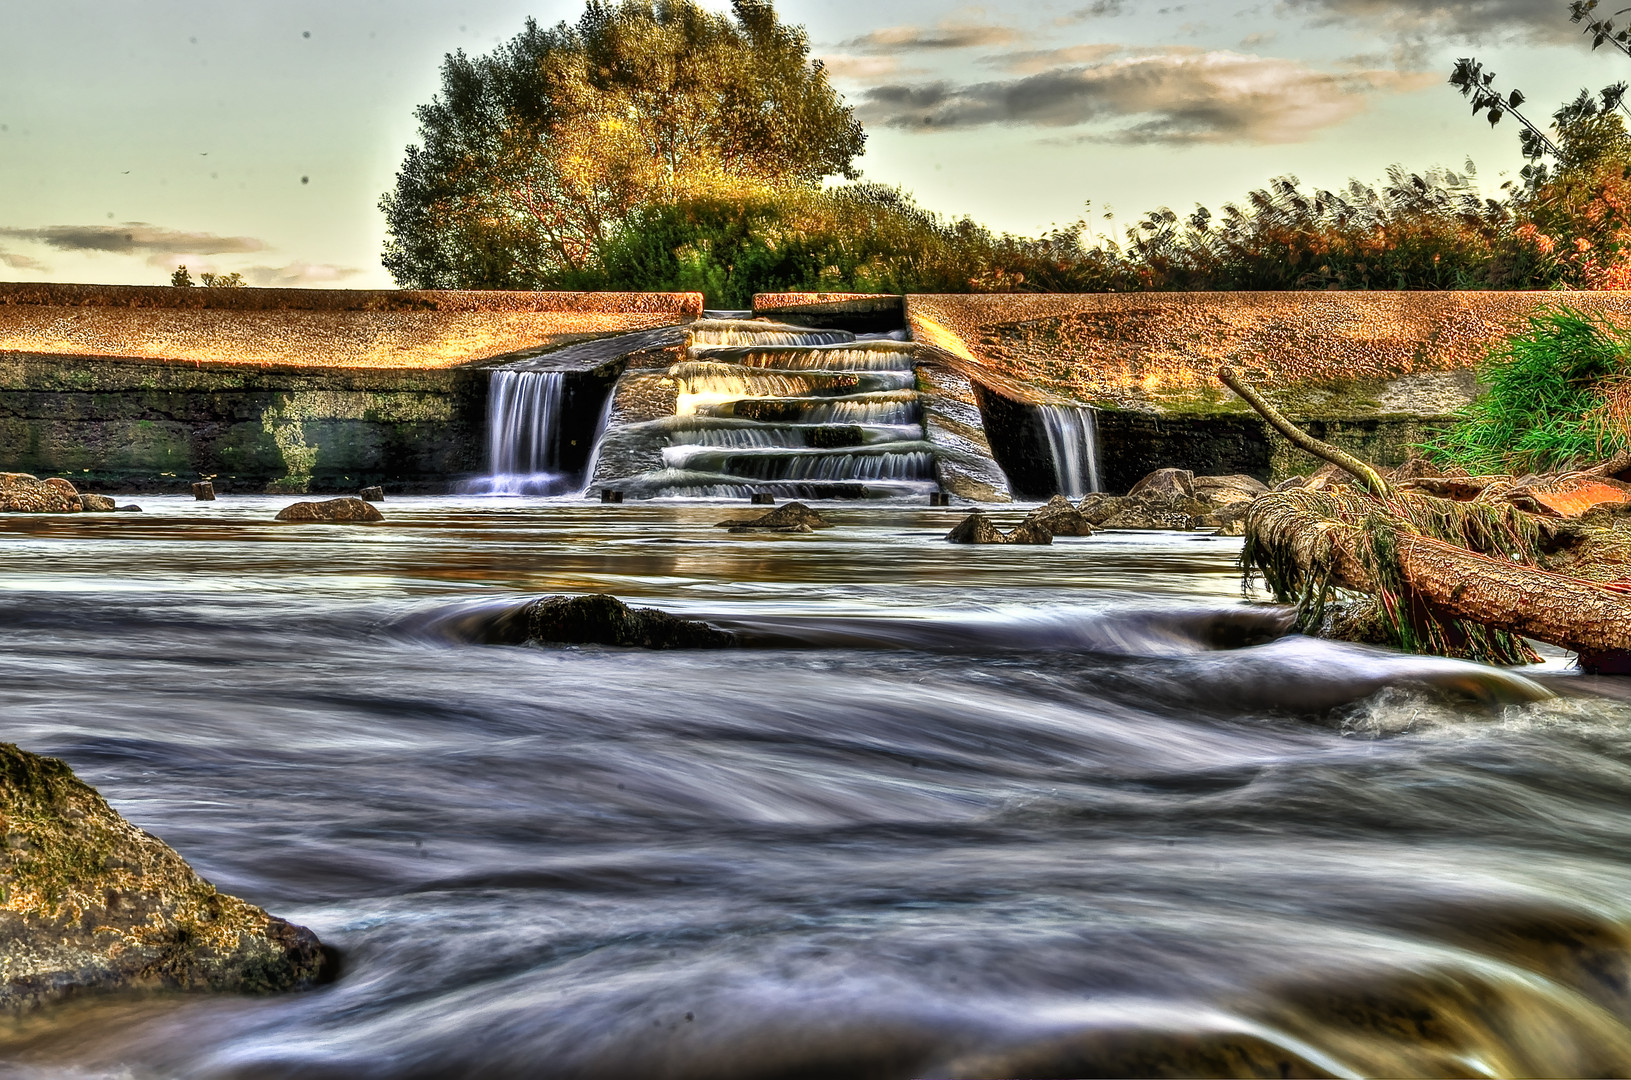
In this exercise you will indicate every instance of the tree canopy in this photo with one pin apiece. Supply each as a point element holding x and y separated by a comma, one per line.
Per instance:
<point>533,157</point>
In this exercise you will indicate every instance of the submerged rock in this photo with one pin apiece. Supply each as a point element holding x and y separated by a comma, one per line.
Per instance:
<point>1060,518</point>
<point>789,517</point>
<point>21,493</point>
<point>597,619</point>
<point>331,510</point>
<point>92,903</point>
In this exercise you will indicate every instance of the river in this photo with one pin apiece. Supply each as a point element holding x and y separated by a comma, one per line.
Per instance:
<point>1062,811</point>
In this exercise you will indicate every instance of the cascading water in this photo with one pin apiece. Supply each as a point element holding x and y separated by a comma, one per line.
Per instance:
<point>1073,440</point>
<point>793,412</point>
<point>525,455</point>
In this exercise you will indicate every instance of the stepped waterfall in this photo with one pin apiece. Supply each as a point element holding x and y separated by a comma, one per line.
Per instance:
<point>794,413</point>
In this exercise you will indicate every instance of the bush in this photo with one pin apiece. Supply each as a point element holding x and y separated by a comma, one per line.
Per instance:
<point>854,238</point>
<point>1556,399</point>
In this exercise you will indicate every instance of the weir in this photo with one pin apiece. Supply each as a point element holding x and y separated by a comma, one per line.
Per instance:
<point>783,410</point>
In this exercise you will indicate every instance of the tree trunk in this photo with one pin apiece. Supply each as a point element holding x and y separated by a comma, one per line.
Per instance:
<point>1454,583</point>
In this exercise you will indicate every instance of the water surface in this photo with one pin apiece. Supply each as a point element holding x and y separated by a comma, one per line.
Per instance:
<point>961,812</point>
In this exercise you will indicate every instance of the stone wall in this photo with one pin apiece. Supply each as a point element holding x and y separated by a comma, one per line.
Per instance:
<point>141,388</point>
<point>306,328</point>
<point>1373,372</point>
<point>128,425</point>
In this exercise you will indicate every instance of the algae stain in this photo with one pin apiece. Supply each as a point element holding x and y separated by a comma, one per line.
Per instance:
<point>284,421</point>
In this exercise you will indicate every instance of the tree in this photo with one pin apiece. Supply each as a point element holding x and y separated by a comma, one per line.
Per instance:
<point>183,279</point>
<point>533,157</point>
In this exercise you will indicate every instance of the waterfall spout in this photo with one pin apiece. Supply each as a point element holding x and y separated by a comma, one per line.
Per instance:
<point>1073,439</point>
<point>524,436</point>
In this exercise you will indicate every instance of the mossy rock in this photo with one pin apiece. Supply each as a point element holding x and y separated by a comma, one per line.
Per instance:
<point>89,902</point>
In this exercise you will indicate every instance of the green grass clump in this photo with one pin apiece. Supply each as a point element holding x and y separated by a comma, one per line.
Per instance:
<point>1554,402</point>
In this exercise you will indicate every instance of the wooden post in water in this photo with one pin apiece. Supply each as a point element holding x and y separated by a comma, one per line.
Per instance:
<point>204,491</point>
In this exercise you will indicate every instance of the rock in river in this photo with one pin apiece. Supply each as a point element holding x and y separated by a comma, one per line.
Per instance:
<point>790,517</point>
<point>978,529</point>
<point>331,510</point>
<point>597,619</point>
<point>98,504</point>
<point>89,902</point>
<point>1060,519</point>
<point>21,493</point>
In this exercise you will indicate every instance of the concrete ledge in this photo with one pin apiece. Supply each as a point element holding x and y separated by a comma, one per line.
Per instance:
<point>866,313</point>
<point>317,328</point>
<point>1338,354</point>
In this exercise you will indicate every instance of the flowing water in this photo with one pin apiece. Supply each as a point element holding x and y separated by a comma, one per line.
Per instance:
<point>765,408</point>
<point>524,424</point>
<point>1073,440</point>
<point>1058,811</point>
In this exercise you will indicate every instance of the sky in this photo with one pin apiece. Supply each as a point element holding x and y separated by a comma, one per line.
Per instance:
<point>258,137</point>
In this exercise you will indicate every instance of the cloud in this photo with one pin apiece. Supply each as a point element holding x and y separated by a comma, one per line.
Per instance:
<point>1030,62</point>
<point>298,274</point>
<point>861,68</point>
<point>21,262</point>
<point>1100,8</point>
<point>1176,96</point>
<point>135,238</point>
<point>948,35</point>
<point>1422,23</point>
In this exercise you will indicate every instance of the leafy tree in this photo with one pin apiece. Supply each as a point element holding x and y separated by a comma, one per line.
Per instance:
<point>181,279</point>
<point>534,157</point>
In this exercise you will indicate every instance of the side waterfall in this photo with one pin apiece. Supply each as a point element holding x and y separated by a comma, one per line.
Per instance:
<point>524,436</point>
<point>1073,439</point>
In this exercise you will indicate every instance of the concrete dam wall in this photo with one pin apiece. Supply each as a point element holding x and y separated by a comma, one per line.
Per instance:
<point>1373,372</point>
<point>276,389</point>
<point>328,390</point>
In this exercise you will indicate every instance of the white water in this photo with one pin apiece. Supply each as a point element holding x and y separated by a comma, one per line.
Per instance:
<point>1073,439</point>
<point>524,436</point>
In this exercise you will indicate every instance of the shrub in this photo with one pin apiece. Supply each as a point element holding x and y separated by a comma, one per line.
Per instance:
<point>1557,399</point>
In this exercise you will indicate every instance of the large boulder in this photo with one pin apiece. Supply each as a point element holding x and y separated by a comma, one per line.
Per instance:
<point>339,511</point>
<point>1029,531</point>
<point>98,504</point>
<point>789,517</point>
<point>976,529</point>
<point>1060,518</point>
<point>21,493</point>
<point>1229,490</point>
<point>1166,484</point>
<point>92,903</point>
<point>596,619</point>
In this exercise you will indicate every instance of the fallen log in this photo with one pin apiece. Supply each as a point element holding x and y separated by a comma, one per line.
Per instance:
<point>1385,557</point>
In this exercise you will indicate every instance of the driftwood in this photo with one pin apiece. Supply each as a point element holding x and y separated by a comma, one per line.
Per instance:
<point>1451,581</point>
<point>1369,478</point>
<point>1450,577</point>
